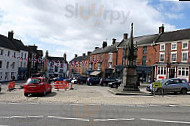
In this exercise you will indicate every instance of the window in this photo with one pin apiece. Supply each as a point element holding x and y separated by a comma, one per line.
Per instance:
<point>184,56</point>
<point>1,51</point>
<point>25,56</point>
<point>13,65</point>
<point>94,65</point>
<point>173,56</point>
<point>14,55</point>
<point>8,53</point>
<point>1,63</point>
<point>174,46</point>
<point>162,70</point>
<point>144,49</point>
<point>93,58</point>
<point>184,45</point>
<point>20,64</point>
<point>183,71</point>
<point>7,65</point>
<point>144,60</point>
<point>22,55</point>
<point>110,56</point>
<point>24,65</point>
<point>99,66</point>
<point>56,68</point>
<point>162,47</point>
<point>1,75</point>
<point>162,57</point>
<point>110,65</point>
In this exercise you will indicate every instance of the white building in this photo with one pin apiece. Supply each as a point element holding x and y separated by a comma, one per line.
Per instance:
<point>56,66</point>
<point>13,57</point>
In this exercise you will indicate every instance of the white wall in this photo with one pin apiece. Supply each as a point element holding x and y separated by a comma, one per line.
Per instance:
<point>5,58</point>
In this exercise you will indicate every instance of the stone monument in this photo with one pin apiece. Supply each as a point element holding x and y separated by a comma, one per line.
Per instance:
<point>129,81</point>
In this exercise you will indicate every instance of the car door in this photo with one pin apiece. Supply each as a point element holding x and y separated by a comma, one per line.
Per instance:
<point>168,86</point>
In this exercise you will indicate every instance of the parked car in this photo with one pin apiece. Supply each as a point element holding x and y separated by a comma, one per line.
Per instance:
<point>82,79</point>
<point>93,81</point>
<point>105,81</point>
<point>68,80</point>
<point>0,87</point>
<point>171,85</point>
<point>115,84</point>
<point>37,85</point>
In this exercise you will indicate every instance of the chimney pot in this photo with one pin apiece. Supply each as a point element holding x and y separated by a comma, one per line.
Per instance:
<point>65,56</point>
<point>125,35</point>
<point>10,34</point>
<point>89,53</point>
<point>83,54</point>
<point>96,48</point>
<point>76,55</point>
<point>161,29</point>
<point>104,44</point>
<point>113,41</point>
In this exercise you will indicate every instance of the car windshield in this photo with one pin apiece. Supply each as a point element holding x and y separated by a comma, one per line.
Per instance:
<point>33,81</point>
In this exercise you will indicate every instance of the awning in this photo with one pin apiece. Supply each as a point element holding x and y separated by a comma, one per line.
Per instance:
<point>95,73</point>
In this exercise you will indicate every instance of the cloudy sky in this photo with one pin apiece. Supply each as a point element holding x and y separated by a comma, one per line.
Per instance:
<point>77,26</point>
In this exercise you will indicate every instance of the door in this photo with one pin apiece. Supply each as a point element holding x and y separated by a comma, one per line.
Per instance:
<point>171,72</point>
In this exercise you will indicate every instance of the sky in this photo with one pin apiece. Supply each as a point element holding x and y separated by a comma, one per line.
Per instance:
<point>77,26</point>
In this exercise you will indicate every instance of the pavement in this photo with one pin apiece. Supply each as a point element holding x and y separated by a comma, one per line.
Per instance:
<point>56,114</point>
<point>83,94</point>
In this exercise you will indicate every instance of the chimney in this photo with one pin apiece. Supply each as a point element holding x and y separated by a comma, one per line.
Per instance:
<point>65,56</point>
<point>113,41</point>
<point>83,54</point>
<point>75,55</point>
<point>96,48</point>
<point>161,29</point>
<point>46,53</point>
<point>10,34</point>
<point>125,36</point>
<point>89,53</point>
<point>104,44</point>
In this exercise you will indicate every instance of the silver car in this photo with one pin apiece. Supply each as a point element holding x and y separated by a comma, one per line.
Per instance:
<point>171,85</point>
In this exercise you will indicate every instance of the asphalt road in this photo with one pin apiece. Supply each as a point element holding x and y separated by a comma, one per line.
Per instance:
<point>49,114</point>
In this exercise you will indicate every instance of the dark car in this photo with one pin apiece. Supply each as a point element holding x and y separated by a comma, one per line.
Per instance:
<point>105,81</point>
<point>115,84</point>
<point>93,81</point>
<point>82,79</point>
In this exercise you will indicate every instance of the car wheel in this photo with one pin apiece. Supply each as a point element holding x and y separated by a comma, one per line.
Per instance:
<point>90,84</point>
<point>114,86</point>
<point>160,91</point>
<point>26,94</point>
<point>184,91</point>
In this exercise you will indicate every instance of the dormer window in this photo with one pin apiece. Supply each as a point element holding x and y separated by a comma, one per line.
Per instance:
<point>162,47</point>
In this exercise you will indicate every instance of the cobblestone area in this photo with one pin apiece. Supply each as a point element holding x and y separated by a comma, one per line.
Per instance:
<point>92,95</point>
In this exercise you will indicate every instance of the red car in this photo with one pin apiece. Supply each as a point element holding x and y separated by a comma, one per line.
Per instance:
<point>37,85</point>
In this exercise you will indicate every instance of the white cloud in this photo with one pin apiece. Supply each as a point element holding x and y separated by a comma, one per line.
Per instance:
<point>49,24</point>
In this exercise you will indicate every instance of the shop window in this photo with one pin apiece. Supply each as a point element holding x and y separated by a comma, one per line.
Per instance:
<point>183,71</point>
<point>162,70</point>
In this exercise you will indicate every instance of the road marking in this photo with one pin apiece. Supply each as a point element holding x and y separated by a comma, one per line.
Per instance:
<point>165,121</point>
<point>118,119</point>
<point>66,118</point>
<point>23,117</point>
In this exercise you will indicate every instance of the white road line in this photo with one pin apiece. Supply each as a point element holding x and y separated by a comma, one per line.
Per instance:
<point>66,118</point>
<point>23,117</point>
<point>118,119</point>
<point>165,121</point>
